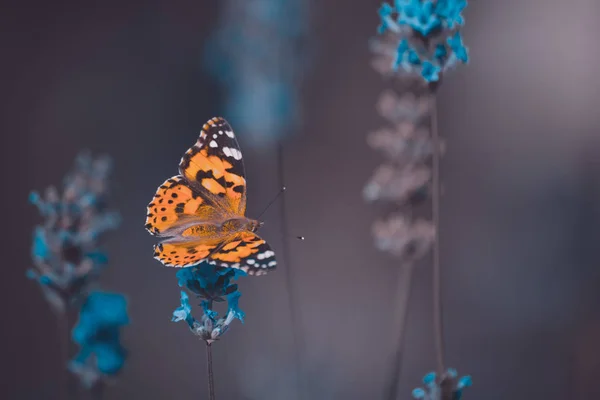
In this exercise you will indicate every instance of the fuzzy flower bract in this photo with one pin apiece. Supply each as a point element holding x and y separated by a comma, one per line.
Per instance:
<point>97,332</point>
<point>65,251</point>
<point>212,285</point>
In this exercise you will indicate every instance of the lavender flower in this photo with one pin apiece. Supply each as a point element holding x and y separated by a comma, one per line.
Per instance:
<point>212,285</point>
<point>448,387</point>
<point>420,37</point>
<point>418,41</point>
<point>405,177</point>
<point>65,251</point>
<point>101,354</point>
<point>257,54</point>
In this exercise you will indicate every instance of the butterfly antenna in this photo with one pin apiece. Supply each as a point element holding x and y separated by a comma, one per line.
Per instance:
<point>272,201</point>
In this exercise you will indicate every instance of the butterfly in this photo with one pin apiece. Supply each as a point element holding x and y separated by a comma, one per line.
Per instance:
<point>200,212</point>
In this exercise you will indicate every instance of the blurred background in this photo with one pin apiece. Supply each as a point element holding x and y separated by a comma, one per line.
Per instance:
<point>519,225</point>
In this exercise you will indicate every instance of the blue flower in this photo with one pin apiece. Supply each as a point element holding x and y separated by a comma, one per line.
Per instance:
<point>464,382</point>
<point>210,284</point>
<point>385,13</point>
<point>183,313</point>
<point>419,15</point>
<point>430,72</point>
<point>456,44</point>
<point>98,334</point>
<point>65,250</point>
<point>429,379</point>
<point>440,54</point>
<point>448,381</point>
<point>451,12</point>
<point>262,97</point>
<point>407,57</point>
<point>436,47</point>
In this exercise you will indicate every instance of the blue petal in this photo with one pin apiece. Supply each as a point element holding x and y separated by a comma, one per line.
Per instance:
<point>232,301</point>
<point>34,198</point>
<point>456,44</point>
<point>418,393</point>
<point>464,382</point>
<point>429,378</point>
<point>40,246</point>
<point>110,358</point>
<point>430,72</point>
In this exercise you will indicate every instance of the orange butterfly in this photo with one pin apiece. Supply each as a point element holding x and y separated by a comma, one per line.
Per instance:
<point>201,211</point>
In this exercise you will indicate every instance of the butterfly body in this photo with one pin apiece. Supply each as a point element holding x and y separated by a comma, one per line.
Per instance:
<point>200,212</point>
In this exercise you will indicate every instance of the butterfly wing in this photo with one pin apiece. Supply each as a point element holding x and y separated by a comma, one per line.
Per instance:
<point>180,254</point>
<point>246,251</point>
<point>214,167</point>
<point>176,206</point>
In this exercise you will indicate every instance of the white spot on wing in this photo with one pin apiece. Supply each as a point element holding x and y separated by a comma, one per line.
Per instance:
<point>268,253</point>
<point>213,144</point>
<point>227,151</point>
<point>272,263</point>
<point>229,133</point>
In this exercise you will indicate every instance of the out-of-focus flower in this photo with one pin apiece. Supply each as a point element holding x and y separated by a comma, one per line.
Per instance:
<point>211,284</point>
<point>420,37</point>
<point>405,177</point>
<point>65,251</point>
<point>449,386</point>
<point>257,53</point>
<point>397,185</point>
<point>101,355</point>
<point>404,238</point>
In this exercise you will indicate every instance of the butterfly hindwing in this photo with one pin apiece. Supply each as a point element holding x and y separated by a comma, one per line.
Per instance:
<point>176,204</point>
<point>182,254</point>
<point>214,166</point>
<point>248,252</point>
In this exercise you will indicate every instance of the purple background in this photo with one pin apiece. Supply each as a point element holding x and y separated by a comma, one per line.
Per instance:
<point>520,214</point>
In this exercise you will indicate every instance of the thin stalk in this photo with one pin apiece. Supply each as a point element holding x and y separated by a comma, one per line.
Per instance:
<point>297,343</point>
<point>97,391</point>
<point>211,377</point>
<point>437,287</point>
<point>403,293</point>
<point>63,332</point>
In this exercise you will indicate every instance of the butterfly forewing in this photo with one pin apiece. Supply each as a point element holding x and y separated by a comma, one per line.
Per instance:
<point>214,164</point>
<point>176,204</point>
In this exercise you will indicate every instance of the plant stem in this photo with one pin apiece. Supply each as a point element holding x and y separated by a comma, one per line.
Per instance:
<point>437,287</point>
<point>289,279</point>
<point>63,333</point>
<point>404,292</point>
<point>97,391</point>
<point>211,378</point>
